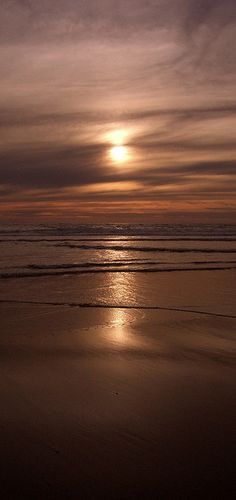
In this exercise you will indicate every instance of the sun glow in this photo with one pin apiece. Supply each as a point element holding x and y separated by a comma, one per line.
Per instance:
<point>118,137</point>
<point>119,153</point>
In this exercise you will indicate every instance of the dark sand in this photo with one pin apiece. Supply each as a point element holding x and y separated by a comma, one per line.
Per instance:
<point>114,403</point>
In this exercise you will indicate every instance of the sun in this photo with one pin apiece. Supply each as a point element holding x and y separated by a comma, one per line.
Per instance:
<point>118,153</point>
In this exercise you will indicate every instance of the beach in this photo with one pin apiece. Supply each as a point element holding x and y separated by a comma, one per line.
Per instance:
<point>117,250</point>
<point>118,384</point>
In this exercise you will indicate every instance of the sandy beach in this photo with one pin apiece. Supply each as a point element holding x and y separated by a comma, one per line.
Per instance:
<point>113,402</point>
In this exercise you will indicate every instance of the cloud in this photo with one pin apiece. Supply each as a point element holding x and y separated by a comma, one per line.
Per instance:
<point>72,72</point>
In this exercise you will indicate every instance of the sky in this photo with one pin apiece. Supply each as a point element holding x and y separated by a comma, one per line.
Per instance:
<point>118,111</point>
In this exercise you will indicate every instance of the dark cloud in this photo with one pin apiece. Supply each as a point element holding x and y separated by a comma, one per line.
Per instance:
<point>53,167</point>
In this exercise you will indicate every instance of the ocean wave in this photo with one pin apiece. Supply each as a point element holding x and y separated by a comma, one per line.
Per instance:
<point>65,229</point>
<point>122,263</point>
<point>63,240</point>
<point>118,248</point>
<point>63,271</point>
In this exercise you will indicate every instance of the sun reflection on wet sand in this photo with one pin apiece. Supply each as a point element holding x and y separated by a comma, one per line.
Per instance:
<point>119,334</point>
<point>122,289</point>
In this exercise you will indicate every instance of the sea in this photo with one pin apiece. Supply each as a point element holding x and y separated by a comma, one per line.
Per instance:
<point>124,265</point>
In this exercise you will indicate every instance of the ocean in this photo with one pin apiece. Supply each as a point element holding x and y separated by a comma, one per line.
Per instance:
<point>116,265</point>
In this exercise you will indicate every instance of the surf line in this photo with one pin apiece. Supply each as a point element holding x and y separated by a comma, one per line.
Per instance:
<point>115,306</point>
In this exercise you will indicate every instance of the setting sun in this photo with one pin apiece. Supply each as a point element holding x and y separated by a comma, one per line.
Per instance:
<point>118,153</point>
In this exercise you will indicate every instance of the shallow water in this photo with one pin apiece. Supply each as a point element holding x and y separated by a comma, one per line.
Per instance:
<point>74,250</point>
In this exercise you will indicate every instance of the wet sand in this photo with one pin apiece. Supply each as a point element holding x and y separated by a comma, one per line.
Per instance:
<point>115,403</point>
